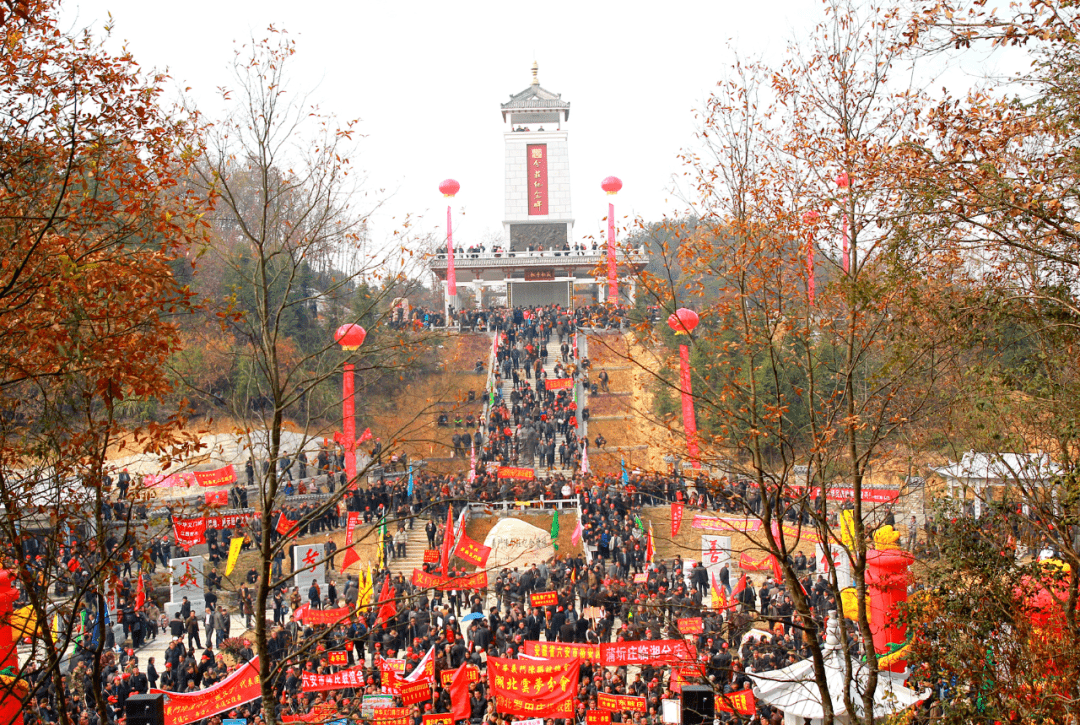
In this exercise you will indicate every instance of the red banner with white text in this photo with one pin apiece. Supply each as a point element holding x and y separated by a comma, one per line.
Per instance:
<point>653,652</point>
<point>353,677</point>
<point>563,650</point>
<point>236,689</point>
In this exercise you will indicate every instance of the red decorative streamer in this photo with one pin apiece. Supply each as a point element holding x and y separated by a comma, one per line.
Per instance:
<point>451,275</point>
<point>348,423</point>
<point>613,284</point>
<point>689,422</point>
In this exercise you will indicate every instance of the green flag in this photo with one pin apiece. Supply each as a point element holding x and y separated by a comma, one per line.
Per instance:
<point>555,526</point>
<point>637,522</point>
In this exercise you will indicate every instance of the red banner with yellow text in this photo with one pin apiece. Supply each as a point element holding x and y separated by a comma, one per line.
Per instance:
<point>219,477</point>
<point>740,701</point>
<point>425,580</point>
<point>533,689</point>
<point>468,550</point>
<point>544,599</point>
<point>621,703</point>
<point>526,474</point>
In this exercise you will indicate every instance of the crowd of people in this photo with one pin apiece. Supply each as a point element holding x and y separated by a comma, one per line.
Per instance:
<point>608,591</point>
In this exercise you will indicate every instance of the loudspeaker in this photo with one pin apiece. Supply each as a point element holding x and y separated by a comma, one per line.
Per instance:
<point>145,709</point>
<point>698,705</point>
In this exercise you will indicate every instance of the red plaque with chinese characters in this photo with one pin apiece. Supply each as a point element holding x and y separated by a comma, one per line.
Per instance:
<point>536,158</point>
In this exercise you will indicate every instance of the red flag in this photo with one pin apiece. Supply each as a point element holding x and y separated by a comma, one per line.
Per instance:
<point>386,599</point>
<point>650,547</point>
<point>140,594</point>
<point>740,587</point>
<point>468,550</point>
<point>350,556</point>
<point>448,541</point>
<point>676,518</point>
<point>285,525</point>
<point>366,435</point>
<point>777,572</point>
<point>459,694</point>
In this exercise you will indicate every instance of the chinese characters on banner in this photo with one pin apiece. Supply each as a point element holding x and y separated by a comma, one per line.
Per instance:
<point>676,519</point>
<point>424,580</point>
<point>447,676</point>
<point>220,477</point>
<point>543,689</point>
<point>563,650</point>
<point>620,703</point>
<point>189,532</point>
<point>471,551</point>
<point>690,625</point>
<point>710,523</point>
<point>741,701</point>
<point>236,689</point>
<point>544,599</point>
<point>353,677</point>
<point>536,158</point>
<point>446,719</point>
<point>597,717</point>
<point>659,651</point>
<point>558,383</point>
<point>337,657</point>
<point>431,556</point>
<point>527,474</point>
<point>414,692</point>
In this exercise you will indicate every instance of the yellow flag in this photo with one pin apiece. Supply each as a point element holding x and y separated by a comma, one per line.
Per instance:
<point>234,553</point>
<point>363,596</point>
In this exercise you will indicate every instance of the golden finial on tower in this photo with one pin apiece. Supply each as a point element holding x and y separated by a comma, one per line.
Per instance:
<point>536,71</point>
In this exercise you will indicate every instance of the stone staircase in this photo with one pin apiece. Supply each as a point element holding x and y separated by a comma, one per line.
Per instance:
<point>414,550</point>
<point>553,356</point>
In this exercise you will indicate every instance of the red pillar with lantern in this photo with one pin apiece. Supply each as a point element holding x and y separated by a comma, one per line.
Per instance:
<point>350,337</point>
<point>683,322</point>
<point>449,188</point>
<point>611,185</point>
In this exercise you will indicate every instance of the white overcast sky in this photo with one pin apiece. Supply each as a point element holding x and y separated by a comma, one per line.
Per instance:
<point>426,80</point>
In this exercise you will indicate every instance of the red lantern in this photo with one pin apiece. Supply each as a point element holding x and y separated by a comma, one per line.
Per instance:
<point>449,187</point>
<point>611,184</point>
<point>683,321</point>
<point>350,336</point>
<point>810,217</point>
<point>842,180</point>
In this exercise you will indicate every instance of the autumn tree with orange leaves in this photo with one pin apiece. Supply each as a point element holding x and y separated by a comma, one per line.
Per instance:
<point>92,214</point>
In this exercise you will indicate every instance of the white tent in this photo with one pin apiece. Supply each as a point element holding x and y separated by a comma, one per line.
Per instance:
<point>794,690</point>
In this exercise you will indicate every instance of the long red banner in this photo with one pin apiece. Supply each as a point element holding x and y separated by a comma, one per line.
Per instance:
<point>527,474</point>
<point>620,703</point>
<point>658,651</point>
<point>424,580</point>
<point>352,677</point>
<point>558,383</point>
<point>236,689</point>
<point>710,523</point>
<point>541,689</point>
<point>563,650</point>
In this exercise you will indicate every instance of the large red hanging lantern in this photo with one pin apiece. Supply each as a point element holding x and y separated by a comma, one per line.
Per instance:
<point>449,187</point>
<point>683,322</point>
<point>350,337</point>
<point>611,185</point>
